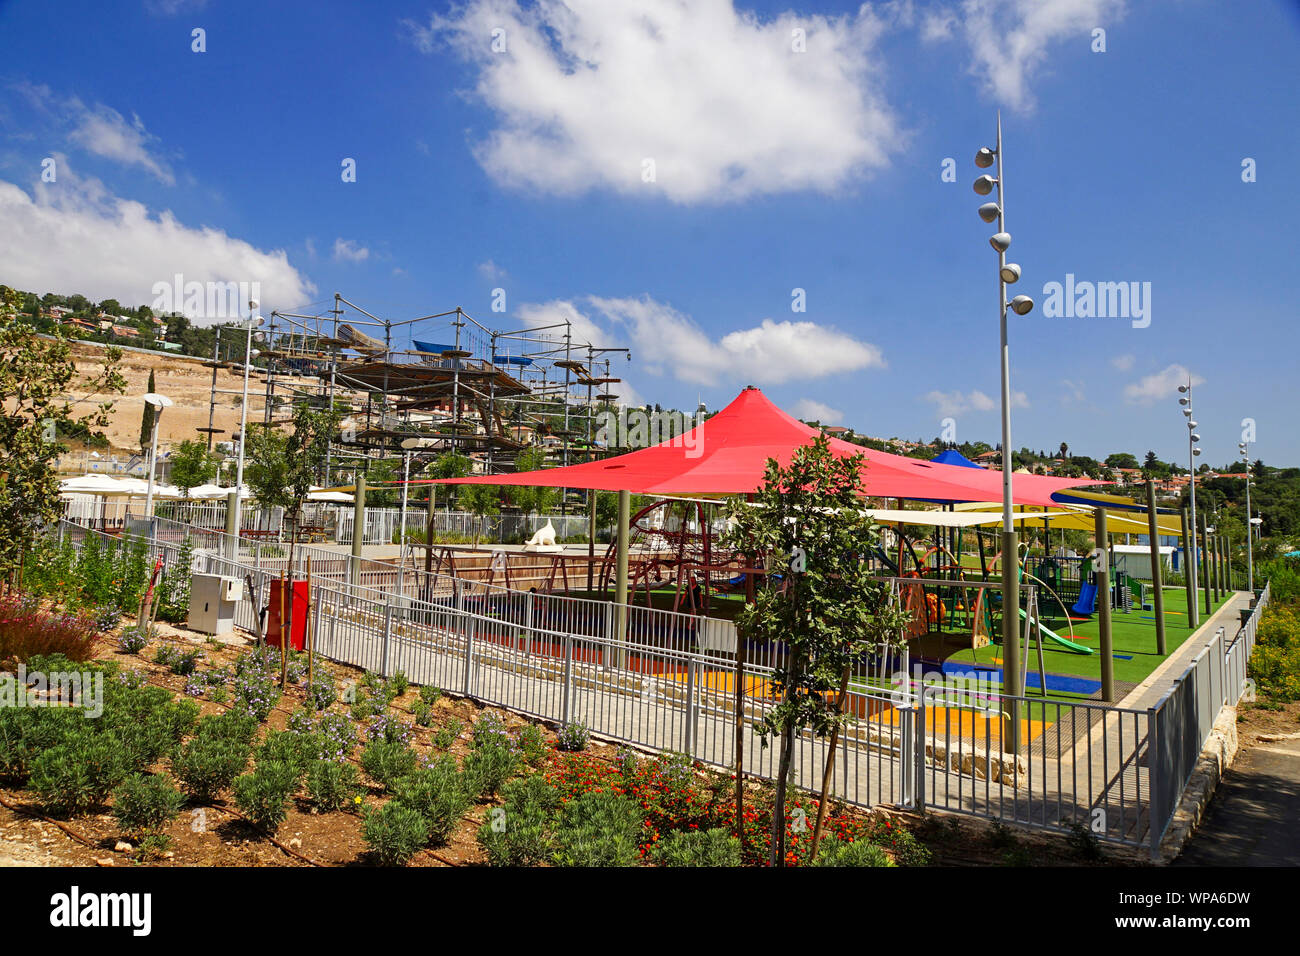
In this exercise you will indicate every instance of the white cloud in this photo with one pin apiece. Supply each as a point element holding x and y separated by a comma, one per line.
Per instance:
<point>957,402</point>
<point>349,250</point>
<point>1009,40</point>
<point>100,129</point>
<point>1158,385</point>
<point>81,238</point>
<point>811,410</point>
<point>668,341</point>
<point>105,132</point>
<point>586,90</point>
<point>492,272</point>
<point>1123,362</point>
<point>1072,392</point>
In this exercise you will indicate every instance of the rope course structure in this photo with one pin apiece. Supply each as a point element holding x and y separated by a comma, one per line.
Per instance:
<point>438,382</point>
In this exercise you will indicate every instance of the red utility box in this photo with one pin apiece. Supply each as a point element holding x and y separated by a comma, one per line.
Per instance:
<point>297,606</point>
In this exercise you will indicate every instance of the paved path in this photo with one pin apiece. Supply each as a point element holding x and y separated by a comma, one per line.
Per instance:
<point>1251,820</point>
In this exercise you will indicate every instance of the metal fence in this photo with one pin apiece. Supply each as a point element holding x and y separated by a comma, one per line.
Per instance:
<point>1183,718</point>
<point>667,681</point>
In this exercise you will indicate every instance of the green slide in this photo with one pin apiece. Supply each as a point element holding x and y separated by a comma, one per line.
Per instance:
<point>1053,636</point>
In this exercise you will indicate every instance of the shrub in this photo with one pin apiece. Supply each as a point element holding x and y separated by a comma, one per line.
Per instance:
<point>395,833</point>
<point>255,694</point>
<point>207,764</point>
<point>145,803</point>
<point>292,749</point>
<point>447,734</point>
<point>520,832</point>
<point>437,792</point>
<point>80,774</point>
<point>1084,842</point>
<point>715,847</point>
<point>430,694</point>
<point>145,738</point>
<point>398,684</point>
<point>488,766</point>
<point>598,829</point>
<point>27,630</point>
<point>387,761</point>
<point>322,692</point>
<point>532,745</point>
<point>367,705</point>
<point>857,853</point>
<point>133,639</point>
<point>178,661</point>
<point>331,785</point>
<point>422,713</point>
<point>106,618</point>
<point>233,725</point>
<point>262,796</point>
<point>388,728</point>
<point>572,737</point>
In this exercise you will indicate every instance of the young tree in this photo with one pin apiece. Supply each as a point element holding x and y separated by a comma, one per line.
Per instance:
<point>36,375</point>
<point>282,466</point>
<point>533,501</point>
<point>192,465</point>
<point>807,521</point>
<point>449,464</point>
<point>482,501</point>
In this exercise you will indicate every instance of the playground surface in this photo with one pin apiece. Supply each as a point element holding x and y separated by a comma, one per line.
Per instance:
<point>1133,639</point>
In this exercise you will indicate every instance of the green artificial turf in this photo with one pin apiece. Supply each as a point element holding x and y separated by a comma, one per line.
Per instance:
<point>1132,635</point>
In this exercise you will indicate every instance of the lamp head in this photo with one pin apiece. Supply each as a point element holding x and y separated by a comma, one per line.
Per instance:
<point>1001,241</point>
<point>984,185</point>
<point>984,158</point>
<point>990,211</point>
<point>1021,305</point>
<point>1010,273</point>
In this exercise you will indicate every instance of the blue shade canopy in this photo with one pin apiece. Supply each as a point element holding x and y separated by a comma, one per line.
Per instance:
<point>953,457</point>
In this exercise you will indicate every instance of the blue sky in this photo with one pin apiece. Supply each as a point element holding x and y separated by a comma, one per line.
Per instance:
<point>775,169</point>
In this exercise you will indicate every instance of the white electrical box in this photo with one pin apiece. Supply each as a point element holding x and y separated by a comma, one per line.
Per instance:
<point>212,603</point>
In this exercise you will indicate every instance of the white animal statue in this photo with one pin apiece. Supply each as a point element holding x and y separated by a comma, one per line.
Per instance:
<point>543,537</point>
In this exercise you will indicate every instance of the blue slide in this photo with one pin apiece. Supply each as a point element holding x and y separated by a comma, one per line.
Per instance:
<point>1087,603</point>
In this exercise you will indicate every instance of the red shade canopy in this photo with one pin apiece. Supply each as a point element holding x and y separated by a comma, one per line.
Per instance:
<point>728,455</point>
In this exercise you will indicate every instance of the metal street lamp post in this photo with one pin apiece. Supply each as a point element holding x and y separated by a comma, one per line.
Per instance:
<point>1008,273</point>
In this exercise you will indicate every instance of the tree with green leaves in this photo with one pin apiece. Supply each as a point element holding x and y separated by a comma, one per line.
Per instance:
<point>192,465</point>
<point>146,421</point>
<point>807,523</point>
<point>282,465</point>
<point>482,501</point>
<point>36,376</point>
<point>530,500</point>
<point>450,464</point>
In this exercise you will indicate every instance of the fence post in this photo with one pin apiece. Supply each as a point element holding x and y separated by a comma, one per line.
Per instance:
<point>566,700</point>
<point>315,625</point>
<point>528,647</point>
<point>387,632</point>
<point>688,736</point>
<point>1155,763</point>
<point>906,789</point>
<point>468,683</point>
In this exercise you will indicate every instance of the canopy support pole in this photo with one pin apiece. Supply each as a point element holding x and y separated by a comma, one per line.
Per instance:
<point>620,570</point>
<point>1157,588</point>
<point>1103,610</point>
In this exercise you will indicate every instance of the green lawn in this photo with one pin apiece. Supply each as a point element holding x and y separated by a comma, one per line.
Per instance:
<point>1133,636</point>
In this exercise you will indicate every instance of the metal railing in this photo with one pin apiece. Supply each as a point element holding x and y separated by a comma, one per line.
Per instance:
<point>668,682</point>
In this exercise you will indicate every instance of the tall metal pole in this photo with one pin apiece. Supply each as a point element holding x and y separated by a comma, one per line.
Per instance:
<point>243,425</point>
<point>1010,543</point>
<point>1250,546</point>
<point>1193,615</point>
